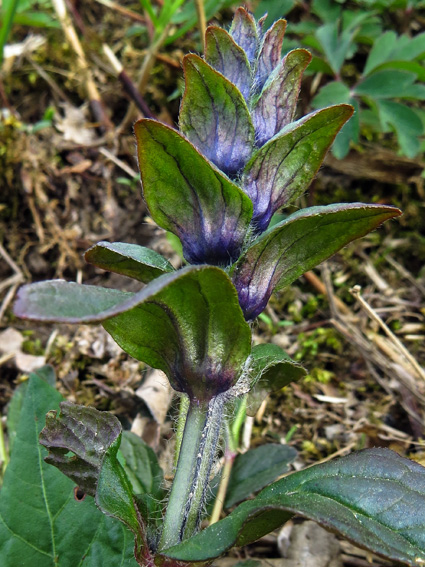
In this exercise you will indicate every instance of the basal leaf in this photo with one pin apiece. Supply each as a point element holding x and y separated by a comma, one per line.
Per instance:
<point>257,468</point>
<point>130,260</point>
<point>374,497</point>
<point>225,55</point>
<point>244,32</point>
<point>41,523</point>
<point>87,433</point>
<point>189,197</point>
<point>296,245</point>
<point>277,102</point>
<point>283,169</point>
<point>83,444</point>
<point>214,116</point>
<point>270,52</point>
<point>270,370</point>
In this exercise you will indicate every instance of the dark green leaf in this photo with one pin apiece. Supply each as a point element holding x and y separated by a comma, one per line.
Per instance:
<point>385,84</point>
<point>189,197</point>
<point>296,245</point>
<point>277,102</point>
<point>187,323</point>
<point>225,55</point>
<point>114,494</point>
<point>41,524</point>
<point>214,116</point>
<point>374,497</point>
<point>130,260</point>
<point>47,374</point>
<point>141,465</point>
<point>283,169</point>
<point>257,468</point>
<point>270,370</point>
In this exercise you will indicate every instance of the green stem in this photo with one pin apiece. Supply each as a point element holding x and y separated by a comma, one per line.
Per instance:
<point>187,496</point>
<point>184,407</point>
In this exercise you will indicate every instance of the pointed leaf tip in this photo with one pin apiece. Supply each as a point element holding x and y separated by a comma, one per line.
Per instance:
<point>270,52</point>
<point>276,104</point>
<point>225,55</point>
<point>214,116</point>
<point>244,32</point>
<point>282,169</point>
<point>296,245</point>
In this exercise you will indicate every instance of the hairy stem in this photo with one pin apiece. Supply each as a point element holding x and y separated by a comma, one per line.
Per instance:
<point>187,496</point>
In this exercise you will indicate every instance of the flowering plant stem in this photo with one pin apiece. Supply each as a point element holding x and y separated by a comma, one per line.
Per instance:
<point>187,495</point>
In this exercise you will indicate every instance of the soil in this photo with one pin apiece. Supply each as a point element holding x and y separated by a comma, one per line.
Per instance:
<point>68,176</point>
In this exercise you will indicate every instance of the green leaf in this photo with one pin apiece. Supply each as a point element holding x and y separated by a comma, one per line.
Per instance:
<point>41,524</point>
<point>385,84</point>
<point>381,51</point>
<point>189,197</point>
<point>411,49</point>
<point>283,168</point>
<point>83,444</point>
<point>114,494</point>
<point>186,323</point>
<point>225,55</point>
<point>277,102</point>
<point>334,92</point>
<point>349,133</point>
<point>47,374</point>
<point>270,370</point>
<point>297,244</point>
<point>141,465</point>
<point>409,66</point>
<point>130,260</point>
<point>374,497</point>
<point>405,122</point>
<point>257,468</point>
<point>335,47</point>
<point>214,116</point>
